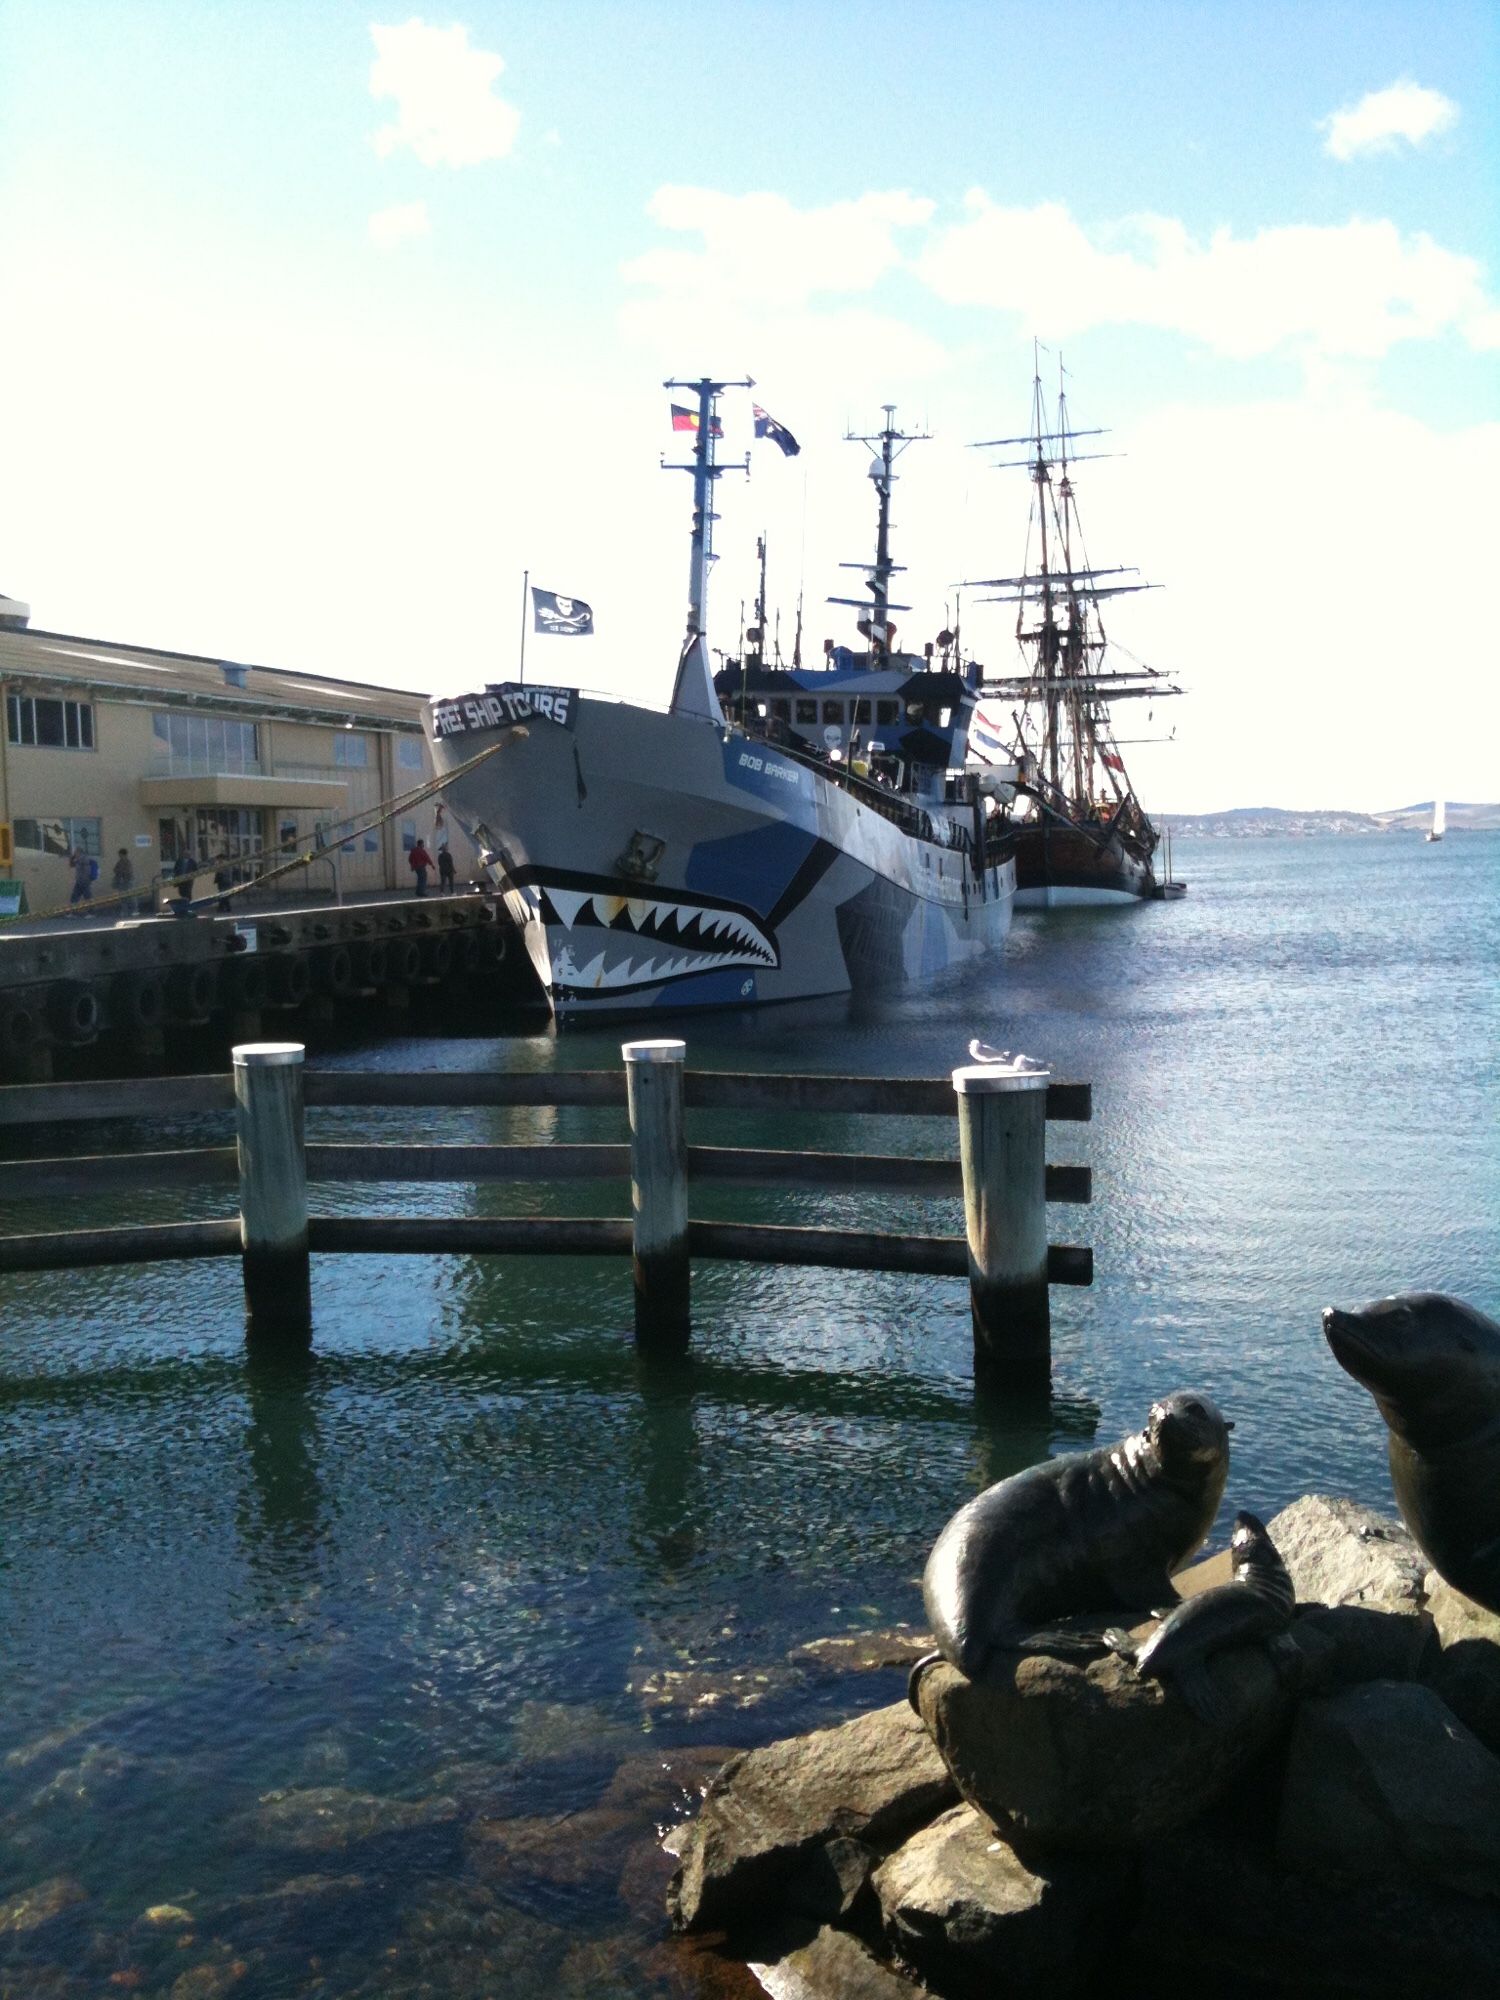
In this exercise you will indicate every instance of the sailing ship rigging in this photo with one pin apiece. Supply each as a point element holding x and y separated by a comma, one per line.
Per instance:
<point>1082,835</point>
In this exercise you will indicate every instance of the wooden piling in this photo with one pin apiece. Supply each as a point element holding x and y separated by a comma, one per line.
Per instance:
<point>658,1194</point>
<point>273,1186</point>
<point>1002,1127</point>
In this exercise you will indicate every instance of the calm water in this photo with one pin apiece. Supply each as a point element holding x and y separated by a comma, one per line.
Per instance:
<point>470,1568</point>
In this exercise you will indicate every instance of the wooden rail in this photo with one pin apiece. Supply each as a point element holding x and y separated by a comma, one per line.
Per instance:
<point>1000,1174</point>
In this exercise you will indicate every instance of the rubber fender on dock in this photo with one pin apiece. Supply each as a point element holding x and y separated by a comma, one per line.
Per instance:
<point>333,970</point>
<point>289,978</point>
<point>468,954</point>
<point>245,983</point>
<point>136,1000</point>
<point>192,990</point>
<point>372,963</point>
<point>437,956</point>
<point>73,1011</point>
<point>404,960</point>
<point>20,1025</point>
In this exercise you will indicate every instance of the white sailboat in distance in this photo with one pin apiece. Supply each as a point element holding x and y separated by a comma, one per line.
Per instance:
<point>1439,820</point>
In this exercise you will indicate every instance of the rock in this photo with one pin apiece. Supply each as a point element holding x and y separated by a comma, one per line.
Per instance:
<point>696,1692</point>
<point>168,1916</point>
<point>208,1982</point>
<point>1341,1553</point>
<point>326,1817</point>
<point>864,1652</point>
<point>662,1785</point>
<point>1358,1577</point>
<point>566,1850</point>
<point>545,1729</point>
<point>872,1779</point>
<point>830,1881</point>
<point>1218,1917</point>
<point>1383,1781</point>
<point>968,1915</point>
<point>36,1906</point>
<point>1090,1758</point>
<point>833,1966</point>
<point>1466,1671</point>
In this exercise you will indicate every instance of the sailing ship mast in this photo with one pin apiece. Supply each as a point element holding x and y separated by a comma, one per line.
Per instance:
<point>1062,721</point>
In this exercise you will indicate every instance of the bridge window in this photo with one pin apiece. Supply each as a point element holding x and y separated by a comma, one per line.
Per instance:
<point>862,709</point>
<point>807,711</point>
<point>781,711</point>
<point>833,711</point>
<point>887,711</point>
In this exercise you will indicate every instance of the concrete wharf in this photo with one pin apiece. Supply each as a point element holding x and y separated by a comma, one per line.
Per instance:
<point>67,982</point>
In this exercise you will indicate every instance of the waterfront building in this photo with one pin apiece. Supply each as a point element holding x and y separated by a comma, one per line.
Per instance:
<point>167,754</point>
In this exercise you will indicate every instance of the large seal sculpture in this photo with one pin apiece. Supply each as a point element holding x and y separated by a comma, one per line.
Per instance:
<point>1255,1604</point>
<point>1433,1366</point>
<point>1093,1531</point>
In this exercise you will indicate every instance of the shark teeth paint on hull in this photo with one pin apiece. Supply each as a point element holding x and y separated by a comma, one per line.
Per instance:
<point>598,939</point>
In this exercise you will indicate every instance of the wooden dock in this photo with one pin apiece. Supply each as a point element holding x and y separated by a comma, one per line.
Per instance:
<point>996,1167</point>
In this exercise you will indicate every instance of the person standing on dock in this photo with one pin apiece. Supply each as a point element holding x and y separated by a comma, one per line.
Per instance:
<point>419,861</point>
<point>84,871</point>
<point>123,877</point>
<point>447,874</point>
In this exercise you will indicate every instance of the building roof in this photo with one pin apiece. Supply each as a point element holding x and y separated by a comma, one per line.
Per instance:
<point>146,674</point>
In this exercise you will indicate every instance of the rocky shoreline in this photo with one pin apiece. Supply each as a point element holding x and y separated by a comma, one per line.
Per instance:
<point>1335,1827</point>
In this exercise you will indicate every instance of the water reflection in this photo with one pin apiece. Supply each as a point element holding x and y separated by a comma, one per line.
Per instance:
<point>282,1515</point>
<point>666,1459</point>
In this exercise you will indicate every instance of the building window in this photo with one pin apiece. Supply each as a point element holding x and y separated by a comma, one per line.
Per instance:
<point>408,835</point>
<point>351,748</point>
<point>59,836</point>
<point>198,746</point>
<point>409,752</point>
<point>50,725</point>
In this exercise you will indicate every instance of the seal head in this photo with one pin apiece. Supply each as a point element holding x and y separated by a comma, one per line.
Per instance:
<point>1091,1532</point>
<point>1432,1364</point>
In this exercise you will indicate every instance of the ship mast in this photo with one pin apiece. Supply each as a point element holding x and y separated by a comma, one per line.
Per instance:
<point>891,444</point>
<point>693,691</point>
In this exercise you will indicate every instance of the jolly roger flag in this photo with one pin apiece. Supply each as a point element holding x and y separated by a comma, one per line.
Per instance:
<point>564,617</point>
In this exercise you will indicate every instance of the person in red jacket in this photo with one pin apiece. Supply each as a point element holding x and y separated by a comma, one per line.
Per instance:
<point>419,861</point>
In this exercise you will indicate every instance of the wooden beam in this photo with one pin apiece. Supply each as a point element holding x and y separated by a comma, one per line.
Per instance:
<point>357,1162</point>
<point>138,1243</point>
<point>88,1173</point>
<point>469,1235</point>
<point>466,1088</point>
<point>114,1097</point>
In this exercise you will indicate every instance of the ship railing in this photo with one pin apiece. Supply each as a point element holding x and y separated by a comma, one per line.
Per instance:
<point>994,1158</point>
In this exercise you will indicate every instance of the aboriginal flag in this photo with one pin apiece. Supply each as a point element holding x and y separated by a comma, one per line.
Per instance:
<point>687,420</point>
<point>767,427</point>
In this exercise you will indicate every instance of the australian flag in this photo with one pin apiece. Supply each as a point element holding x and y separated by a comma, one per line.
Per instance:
<point>564,617</point>
<point>767,427</point>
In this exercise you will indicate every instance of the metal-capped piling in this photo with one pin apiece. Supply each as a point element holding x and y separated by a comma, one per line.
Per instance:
<point>1002,1138</point>
<point>268,1122</point>
<point>658,1192</point>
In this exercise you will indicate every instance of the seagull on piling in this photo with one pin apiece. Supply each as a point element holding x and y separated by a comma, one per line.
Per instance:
<point>982,1052</point>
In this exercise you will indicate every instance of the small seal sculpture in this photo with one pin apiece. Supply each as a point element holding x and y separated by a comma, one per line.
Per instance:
<point>1433,1366</point>
<point>1094,1531</point>
<point>1255,1604</point>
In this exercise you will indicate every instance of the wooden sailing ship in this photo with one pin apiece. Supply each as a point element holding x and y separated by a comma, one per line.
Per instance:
<point>1082,836</point>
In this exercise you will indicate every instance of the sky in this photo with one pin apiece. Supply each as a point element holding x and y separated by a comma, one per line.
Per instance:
<point>320,326</point>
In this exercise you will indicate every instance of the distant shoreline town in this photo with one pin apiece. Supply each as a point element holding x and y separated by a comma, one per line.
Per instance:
<point>1252,822</point>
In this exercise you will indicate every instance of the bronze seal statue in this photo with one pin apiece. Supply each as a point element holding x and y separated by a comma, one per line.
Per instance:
<point>1255,1604</point>
<point>1433,1366</point>
<point>1094,1531</point>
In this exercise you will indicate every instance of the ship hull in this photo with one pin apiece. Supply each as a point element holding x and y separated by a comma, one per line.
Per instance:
<point>1063,867</point>
<point>657,861</point>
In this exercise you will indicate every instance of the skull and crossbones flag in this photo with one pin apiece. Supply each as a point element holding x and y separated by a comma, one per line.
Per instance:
<point>564,617</point>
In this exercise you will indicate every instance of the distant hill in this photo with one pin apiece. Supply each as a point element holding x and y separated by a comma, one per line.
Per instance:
<point>1250,822</point>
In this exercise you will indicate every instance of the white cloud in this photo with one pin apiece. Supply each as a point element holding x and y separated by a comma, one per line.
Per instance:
<point>754,244</point>
<point>391,226</point>
<point>445,110</point>
<point>1353,289</point>
<point>1383,118</point>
